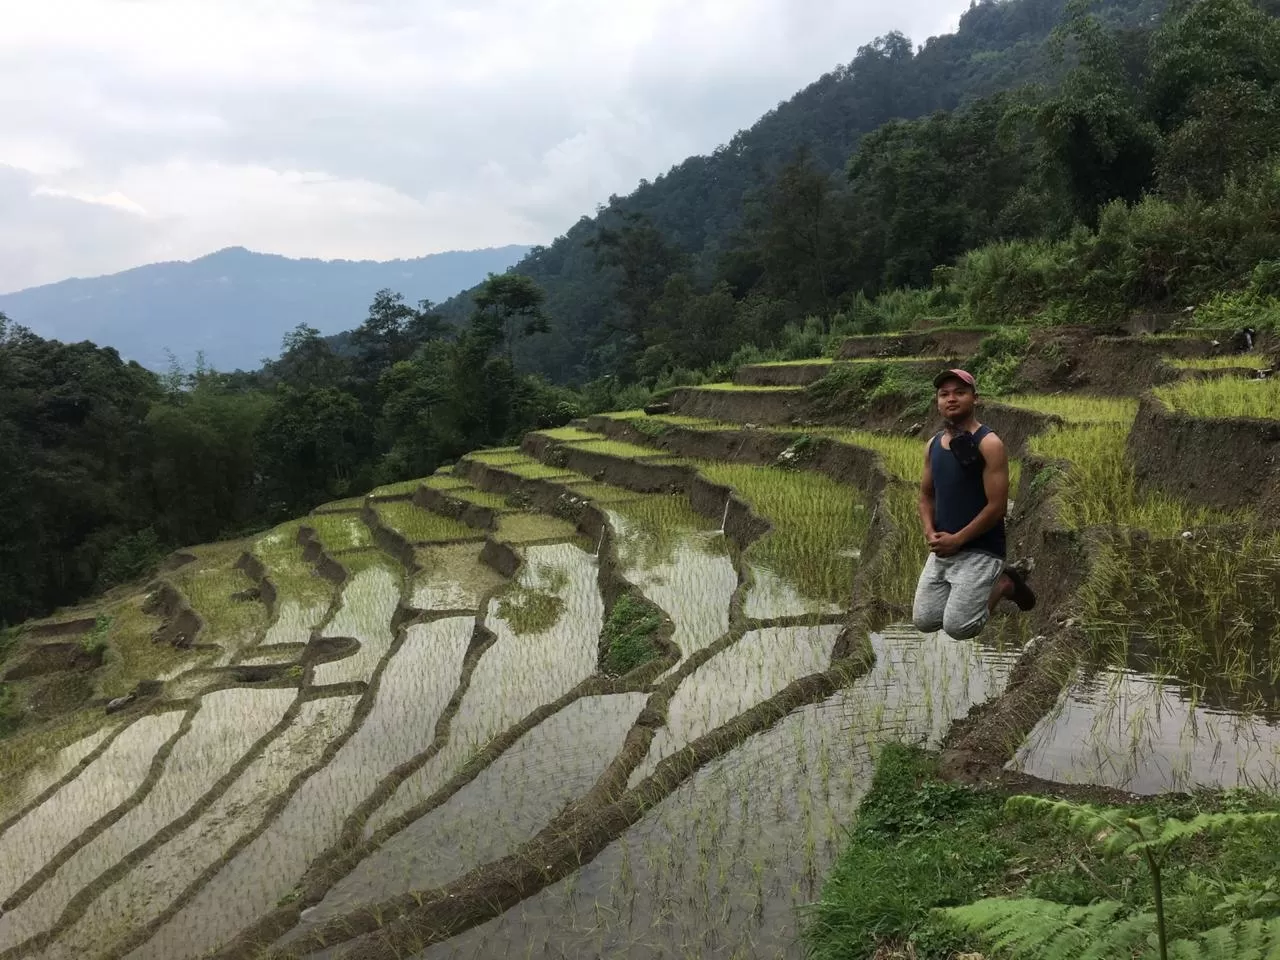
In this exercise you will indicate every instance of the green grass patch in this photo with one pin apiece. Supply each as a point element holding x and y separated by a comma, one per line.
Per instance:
<point>481,498</point>
<point>133,656</point>
<point>569,434</point>
<point>209,584</point>
<point>628,635</point>
<point>1077,408</point>
<point>1227,361</point>
<point>422,526</point>
<point>530,469</point>
<point>527,527</point>
<point>497,456</point>
<point>351,503</point>
<point>617,448</point>
<point>603,494</point>
<point>361,560</point>
<point>404,488</point>
<point>819,526</point>
<point>852,388</point>
<point>445,482</point>
<point>1224,397</point>
<point>740,388</point>
<point>920,844</point>
<point>294,578</point>
<point>1100,489</point>
<point>530,611</point>
<point>341,532</point>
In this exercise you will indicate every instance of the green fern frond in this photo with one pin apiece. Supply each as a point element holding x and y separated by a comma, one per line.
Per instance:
<point>1030,929</point>
<point>1044,930</point>
<point>1211,824</point>
<point>1246,940</point>
<point>1117,835</point>
<point>1111,830</point>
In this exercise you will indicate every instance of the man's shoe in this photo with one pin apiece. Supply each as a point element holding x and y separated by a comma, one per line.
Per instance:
<point>1022,594</point>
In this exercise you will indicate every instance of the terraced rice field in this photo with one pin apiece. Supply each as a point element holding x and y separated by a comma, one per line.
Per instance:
<point>368,755</point>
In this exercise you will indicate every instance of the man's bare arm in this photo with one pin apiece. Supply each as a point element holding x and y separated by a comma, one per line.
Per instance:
<point>926,493</point>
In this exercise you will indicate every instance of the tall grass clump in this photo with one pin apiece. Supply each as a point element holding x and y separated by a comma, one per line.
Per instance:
<point>1224,397</point>
<point>1099,488</point>
<point>628,635</point>
<point>819,526</point>
<point>1226,361</point>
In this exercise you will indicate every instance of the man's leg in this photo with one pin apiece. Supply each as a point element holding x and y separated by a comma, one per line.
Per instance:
<point>932,591</point>
<point>977,584</point>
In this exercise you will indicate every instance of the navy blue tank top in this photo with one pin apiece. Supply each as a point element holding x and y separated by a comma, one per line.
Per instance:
<point>958,496</point>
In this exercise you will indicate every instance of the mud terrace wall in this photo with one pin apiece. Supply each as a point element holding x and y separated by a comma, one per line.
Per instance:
<point>1220,462</point>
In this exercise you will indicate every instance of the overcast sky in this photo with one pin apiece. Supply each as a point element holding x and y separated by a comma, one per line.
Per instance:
<point>140,130</point>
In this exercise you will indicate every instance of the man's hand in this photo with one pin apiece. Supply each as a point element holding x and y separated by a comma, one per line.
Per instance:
<point>945,544</point>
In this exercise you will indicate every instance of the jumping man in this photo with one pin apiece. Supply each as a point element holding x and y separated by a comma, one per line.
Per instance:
<point>964,495</point>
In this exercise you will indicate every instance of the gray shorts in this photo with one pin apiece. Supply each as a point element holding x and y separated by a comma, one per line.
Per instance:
<point>953,593</point>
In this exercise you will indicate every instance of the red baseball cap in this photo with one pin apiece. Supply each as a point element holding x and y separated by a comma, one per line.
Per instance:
<point>962,375</point>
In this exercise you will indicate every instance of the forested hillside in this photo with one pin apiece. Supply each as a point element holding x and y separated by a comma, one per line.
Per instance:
<point>1118,162</point>
<point>710,211</point>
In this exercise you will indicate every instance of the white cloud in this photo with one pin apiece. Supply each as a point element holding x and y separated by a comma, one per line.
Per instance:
<point>376,128</point>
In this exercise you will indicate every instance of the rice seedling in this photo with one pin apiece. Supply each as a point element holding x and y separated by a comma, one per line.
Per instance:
<point>529,469</point>
<point>680,562</point>
<point>132,655</point>
<point>737,387</point>
<point>369,601</point>
<point>422,526</point>
<point>601,493</point>
<point>615,448</point>
<point>1226,361</point>
<point>227,724</point>
<point>568,434</point>
<point>1224,397</point>
<point>107,782</point>
<point>497,456</point>
<point>823,361</point>
<point>819,526</point>
<point>445,482</point>
<point>340,532</point>
<point>216,590</point>
<point>452,578</point>
<point>337,506</point>
<point>403,488</point>
<point>526,527</point>
<point>1099,489</point>
<point>142,894</point>
<point>294,578</point>
<point>1077,408</point>
<point>35,759</point>
<point>481,498</point>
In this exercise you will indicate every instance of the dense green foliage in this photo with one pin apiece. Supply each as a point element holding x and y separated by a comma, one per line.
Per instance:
<point>1043,930</point>
<point>920,844</point>
<point>107,466</point>
<point>1062,166</point>
<point>627,638</point>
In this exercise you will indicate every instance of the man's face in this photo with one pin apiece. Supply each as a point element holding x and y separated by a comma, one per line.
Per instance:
<point>956,399</point>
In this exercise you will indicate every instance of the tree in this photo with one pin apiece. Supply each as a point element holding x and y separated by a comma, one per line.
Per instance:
<point>506,307</point>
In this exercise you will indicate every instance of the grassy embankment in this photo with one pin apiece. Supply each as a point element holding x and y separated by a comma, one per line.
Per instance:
<point>920,843</point>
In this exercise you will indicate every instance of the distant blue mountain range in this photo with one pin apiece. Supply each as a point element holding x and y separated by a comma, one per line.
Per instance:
<point>236,305</point>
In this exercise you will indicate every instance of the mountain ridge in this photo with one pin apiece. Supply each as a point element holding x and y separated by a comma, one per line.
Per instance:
<point>235,304</point>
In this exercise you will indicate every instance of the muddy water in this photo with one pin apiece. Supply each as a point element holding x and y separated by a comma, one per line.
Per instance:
<point>294,623</point>
<point>508,803</point>
<point>107,782</point>
<point>141,895</point>
<point>46,772</point>
<point>719,868</point>
<point>369,602</point>
<point>519,672</point>
<point>752,670</point>
<point>415,687</point>
<point>682,565</point>
<point>453,578</point>
<point>769,595</point>
<point>1122,729</point>
<point>225,727</point>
